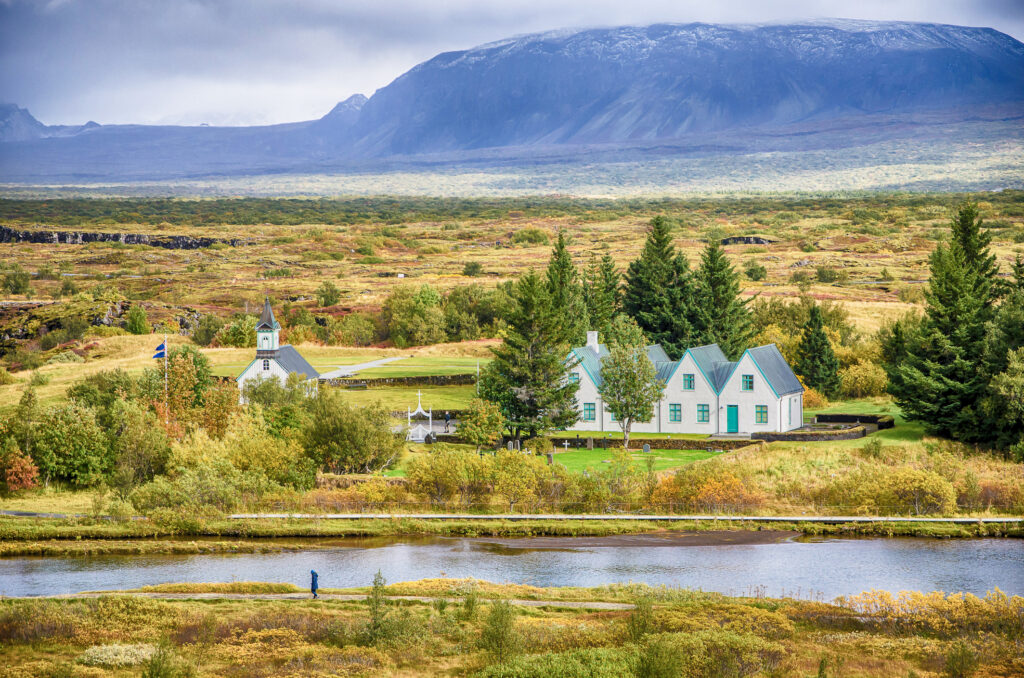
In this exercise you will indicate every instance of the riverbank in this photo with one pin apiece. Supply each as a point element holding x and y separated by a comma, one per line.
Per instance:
<point>442,627</point>
<point>87,537</point>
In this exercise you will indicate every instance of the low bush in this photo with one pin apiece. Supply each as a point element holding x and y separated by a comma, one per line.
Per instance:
<point>586,663</point>
<point>500,638</point>
<point>865,379</point>
<point>532,236</point>
<point>117,655</point>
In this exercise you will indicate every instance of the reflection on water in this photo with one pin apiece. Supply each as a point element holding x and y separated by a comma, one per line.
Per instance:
<point>823,568</point>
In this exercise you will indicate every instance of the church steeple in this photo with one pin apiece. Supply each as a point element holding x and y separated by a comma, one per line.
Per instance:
<point>267,333</point>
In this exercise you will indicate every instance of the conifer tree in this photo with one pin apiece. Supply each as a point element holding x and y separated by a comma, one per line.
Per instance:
<point>566,291</point>
<point>943,377</point>
<point>527,377</point>
<point>601,285</point>
<point>816,361</point>
<point>659,292</point>
<point>724,318</point>
<point>941,380</point>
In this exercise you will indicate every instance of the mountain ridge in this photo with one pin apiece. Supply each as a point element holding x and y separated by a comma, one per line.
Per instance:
<point>574,89</point>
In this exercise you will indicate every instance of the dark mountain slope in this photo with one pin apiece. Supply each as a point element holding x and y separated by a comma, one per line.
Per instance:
<point>669,87</point>
<point>663,81</point>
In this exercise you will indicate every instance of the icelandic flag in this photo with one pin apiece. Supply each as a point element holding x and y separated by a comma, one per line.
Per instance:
<point>161,351</point>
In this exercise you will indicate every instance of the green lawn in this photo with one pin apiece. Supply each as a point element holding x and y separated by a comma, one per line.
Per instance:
<point>425,366</point>
<point>398,398</point>
<point>580,460</point>
<point>903,432</point>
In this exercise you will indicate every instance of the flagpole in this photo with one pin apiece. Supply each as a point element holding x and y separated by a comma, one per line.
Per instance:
<point>166,404</point>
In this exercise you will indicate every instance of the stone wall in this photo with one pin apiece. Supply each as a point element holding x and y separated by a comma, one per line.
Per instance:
<point>880,420</point>
<point>426,380</point>
<point>171,242</point>
<point>811,436</point>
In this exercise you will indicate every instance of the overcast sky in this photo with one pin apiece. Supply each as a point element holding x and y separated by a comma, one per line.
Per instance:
<point>262,61</point>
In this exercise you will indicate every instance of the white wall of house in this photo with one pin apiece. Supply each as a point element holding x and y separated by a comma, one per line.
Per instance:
<point>747,401</point>
<point>256,370</point>
<point>587,394</point>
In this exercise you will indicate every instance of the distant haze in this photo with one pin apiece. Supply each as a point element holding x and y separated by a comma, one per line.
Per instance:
<point>243,62</point>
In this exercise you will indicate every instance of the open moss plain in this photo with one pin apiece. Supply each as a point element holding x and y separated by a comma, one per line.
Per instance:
<point>462,628</point>
<point>879,244</point>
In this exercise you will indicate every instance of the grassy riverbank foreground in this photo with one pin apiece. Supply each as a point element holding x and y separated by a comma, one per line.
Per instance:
<point>468,628</point>
<point>83,537</point>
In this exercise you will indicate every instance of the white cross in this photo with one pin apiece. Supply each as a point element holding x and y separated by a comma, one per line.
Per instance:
<point>566,445</point>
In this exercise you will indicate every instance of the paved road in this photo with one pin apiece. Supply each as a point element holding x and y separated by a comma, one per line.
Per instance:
<point>576,604</point>
<point>349,370</point>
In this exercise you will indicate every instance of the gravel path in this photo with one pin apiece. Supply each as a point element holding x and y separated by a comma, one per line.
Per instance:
<point>349,370</point>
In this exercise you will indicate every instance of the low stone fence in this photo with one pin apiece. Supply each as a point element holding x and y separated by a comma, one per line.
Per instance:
<point>822,435</point>
<point>879,420</point>
<point>655,443</point>
<point>425,380</point>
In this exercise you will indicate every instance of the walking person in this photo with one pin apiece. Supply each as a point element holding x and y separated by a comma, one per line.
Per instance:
<point>447,421</point>
<point>314,585</point>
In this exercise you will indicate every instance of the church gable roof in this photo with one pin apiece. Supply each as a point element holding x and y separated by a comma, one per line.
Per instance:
<point>591,361</point>
<point>267,320</point>
<point>293,362</point>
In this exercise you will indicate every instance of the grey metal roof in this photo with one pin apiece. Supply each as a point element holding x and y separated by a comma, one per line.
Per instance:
<point>720,372</point>
<point>591,361</point>
<point>294,363</point>
<point>713,363</point>
<point>775,369</point>
<point>267,319</point>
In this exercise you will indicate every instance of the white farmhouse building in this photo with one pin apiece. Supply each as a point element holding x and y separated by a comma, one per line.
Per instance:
<point>704,391</point>
<point>273,360</point>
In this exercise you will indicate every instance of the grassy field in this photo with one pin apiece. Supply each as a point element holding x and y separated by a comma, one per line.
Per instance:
<point>677,631</point>
<point>580,460</point>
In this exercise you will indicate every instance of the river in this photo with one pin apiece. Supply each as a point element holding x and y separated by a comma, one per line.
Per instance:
<point>820,568</point>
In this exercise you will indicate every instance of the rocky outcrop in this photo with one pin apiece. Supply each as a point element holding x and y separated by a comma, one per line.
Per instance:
<point>746,240</point>
<point>170,242</point>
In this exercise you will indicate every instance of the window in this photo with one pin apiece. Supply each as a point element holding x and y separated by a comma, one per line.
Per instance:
<point>574,378</point>
<point>611,417</point>
<point>703,414</point>
<point>265,340</point>
<point>675,412</point>
<point>687,382</point>
<point>266,364</point>
<point>790,412</point>
<point>748,382</point>
<point>589,412</point>
<point>760,414</point>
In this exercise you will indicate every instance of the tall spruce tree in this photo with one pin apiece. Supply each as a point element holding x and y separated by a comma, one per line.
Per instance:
<point>660,290</point>
<point>527,377</point>
<point>816,361</point>
<point>566,290</point>
<point>945,370</point>
<point>724,318</point>
<point>602,293</point>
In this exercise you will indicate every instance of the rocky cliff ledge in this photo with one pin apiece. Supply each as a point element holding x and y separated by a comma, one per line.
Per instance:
<point>170,242</point>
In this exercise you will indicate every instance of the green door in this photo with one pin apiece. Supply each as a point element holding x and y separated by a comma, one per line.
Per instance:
<point>733,419</point>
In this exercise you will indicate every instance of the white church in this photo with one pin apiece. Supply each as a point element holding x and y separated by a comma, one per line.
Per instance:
<point>274,361</point>
<point>704,391</point>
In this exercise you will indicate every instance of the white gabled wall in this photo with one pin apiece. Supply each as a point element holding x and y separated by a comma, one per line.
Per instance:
<point>587,393</point>
<point>702,394</point>
<point>746,401</point>
<point>255,371</point>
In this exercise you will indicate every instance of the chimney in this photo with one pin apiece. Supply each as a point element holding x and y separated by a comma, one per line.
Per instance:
<point>592,340</point>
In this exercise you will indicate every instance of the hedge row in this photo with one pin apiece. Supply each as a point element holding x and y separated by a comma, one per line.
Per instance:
<point>881,420</point>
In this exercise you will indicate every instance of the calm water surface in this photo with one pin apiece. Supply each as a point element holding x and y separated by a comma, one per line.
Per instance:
<point>822,568</point>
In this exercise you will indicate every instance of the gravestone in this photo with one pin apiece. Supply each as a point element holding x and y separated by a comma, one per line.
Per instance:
<point>551,458</point>
<point>510,446</point>
<point>647,448</point>
<point>590,443</point>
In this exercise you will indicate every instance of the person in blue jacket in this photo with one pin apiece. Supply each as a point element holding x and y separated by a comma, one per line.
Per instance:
<point>313,586</point>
